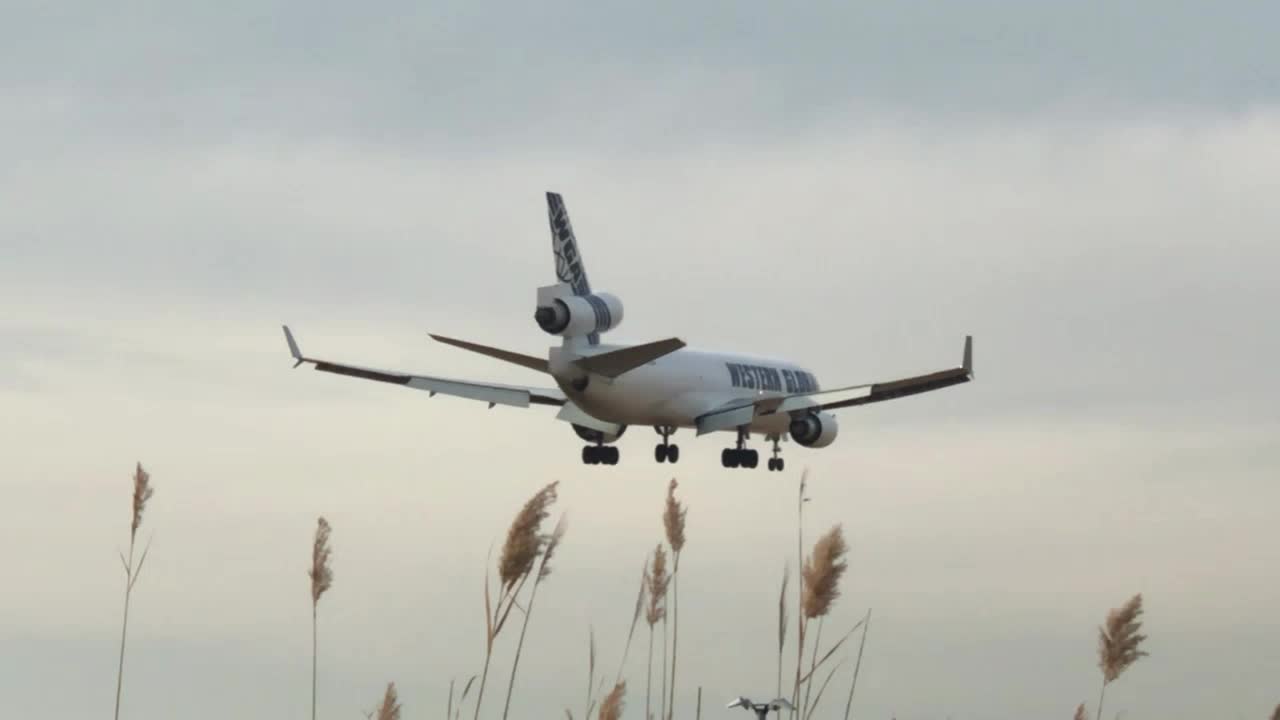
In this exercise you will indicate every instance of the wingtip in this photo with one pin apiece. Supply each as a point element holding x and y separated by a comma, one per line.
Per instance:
<point>293,346</point>
<point>968,355</point>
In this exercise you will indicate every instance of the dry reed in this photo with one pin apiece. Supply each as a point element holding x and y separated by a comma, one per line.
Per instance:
<point>1276,715</point>
<point>820,576</point>
<point>866,626</point>
<point>1119,642</point>
<point>390,707</point>
<point>782,623</point>
<point>591,668</point>
<point>549,545</point>
<point>657,581</point>
<point>520,551</point>
<point>611,708</point>
<point>321,575</point>
<point>635,617</point>
<point>142,492</point>
<point>800,622</point>
<point>673,521</point>
<point>1080,713</point>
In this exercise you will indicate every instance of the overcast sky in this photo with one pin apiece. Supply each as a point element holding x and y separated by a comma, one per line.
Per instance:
<point>1087,188</point>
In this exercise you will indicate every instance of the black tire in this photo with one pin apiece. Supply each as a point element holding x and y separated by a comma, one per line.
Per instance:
<point>673,454</point>
<point>781,464</point>
<point>729,458</point>
<point>660,453</point>
<point>773,462</point>
<point>588,455</point>
<point>611,455</point>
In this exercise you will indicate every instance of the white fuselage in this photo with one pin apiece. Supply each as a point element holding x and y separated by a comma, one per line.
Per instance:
<point>677,388</point>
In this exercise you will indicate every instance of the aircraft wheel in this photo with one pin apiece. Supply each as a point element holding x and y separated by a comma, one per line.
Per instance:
<point>611,454</point>
<point>729,458</point>
<point>773,464</point>
<point>781,464</point>
<point>752,458</point>
<point>589,455</point>
<point>673,454</point>
<point>660,453</point>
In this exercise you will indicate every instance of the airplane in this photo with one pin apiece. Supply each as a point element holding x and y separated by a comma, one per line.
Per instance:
<point>603,389</point>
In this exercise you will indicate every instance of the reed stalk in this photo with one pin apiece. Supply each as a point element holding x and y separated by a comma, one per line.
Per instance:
<point>142,492</point>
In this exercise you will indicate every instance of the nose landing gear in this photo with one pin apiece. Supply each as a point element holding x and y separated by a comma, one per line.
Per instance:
<point>776,463</point>
<point>665,451</point>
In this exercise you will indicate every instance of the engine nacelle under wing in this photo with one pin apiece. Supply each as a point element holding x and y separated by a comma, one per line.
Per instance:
<point>815,430</point>
<point>578,315</point>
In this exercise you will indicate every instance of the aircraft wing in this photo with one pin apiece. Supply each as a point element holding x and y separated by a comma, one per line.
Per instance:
<point>737,414</point>
<point>493,394</point>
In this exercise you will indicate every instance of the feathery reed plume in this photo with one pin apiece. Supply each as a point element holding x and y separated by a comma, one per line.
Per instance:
<point>673,518</point>
<point>635,617</point>
<point>821,579</point>
<point>800,620</point>
<point>1119,642</point>
<point>1276,715</point>
<point>866,626</point>
<point>321,578</point>
<point>1080,713</point>
<point>142,492</point>
<point>611,708</point>
<point>524,543</point>
<point>552,542</point>
<point>390,707</point>
<point>782,623</point>
<point>657,582</point>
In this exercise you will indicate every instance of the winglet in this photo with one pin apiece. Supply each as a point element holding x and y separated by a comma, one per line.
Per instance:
<point>968,355</point>
<point>293,346</point>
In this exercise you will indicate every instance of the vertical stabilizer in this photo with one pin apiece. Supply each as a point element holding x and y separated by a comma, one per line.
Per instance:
<point>569,267</point>
<point>564,246</point>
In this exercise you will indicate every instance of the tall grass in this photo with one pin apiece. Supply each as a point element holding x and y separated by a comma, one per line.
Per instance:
<point>614,702</point>
<point>520,552</point>
<point>389,708</point>
<point>857,666</point>
<point>544,571</point>
<point>1119,643</point>
<point>673,521</point>
<point>142,492</point>
<point>820,581</point>
<point>657,580</point>
<point>321,575</point>
<point>782,624</point>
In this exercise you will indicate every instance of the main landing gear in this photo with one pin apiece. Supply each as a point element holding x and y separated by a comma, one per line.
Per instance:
<point>740,456</point>
<point>665,451</point>
<point>600,455</point>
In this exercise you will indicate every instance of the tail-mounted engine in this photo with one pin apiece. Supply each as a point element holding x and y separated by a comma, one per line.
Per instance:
<point>815,430</point>
<point>562,313</point>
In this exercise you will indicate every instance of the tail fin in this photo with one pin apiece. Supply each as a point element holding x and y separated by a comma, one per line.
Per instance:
<point>569,267</point>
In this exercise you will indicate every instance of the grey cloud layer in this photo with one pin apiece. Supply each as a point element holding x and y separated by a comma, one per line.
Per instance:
<point>858,188</point>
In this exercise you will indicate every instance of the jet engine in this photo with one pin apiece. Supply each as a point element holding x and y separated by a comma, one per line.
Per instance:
<point>577,315</point>
<point>815,430</point>
<point>590,435</point>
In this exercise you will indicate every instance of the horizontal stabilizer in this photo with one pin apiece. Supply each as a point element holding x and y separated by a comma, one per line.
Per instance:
<point>616,362</point>
<point>529,361</point>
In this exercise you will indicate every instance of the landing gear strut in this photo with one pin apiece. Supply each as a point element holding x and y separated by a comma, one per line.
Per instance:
<point>665,451</point>
<point>740,456</point>
<point>776,463</point>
